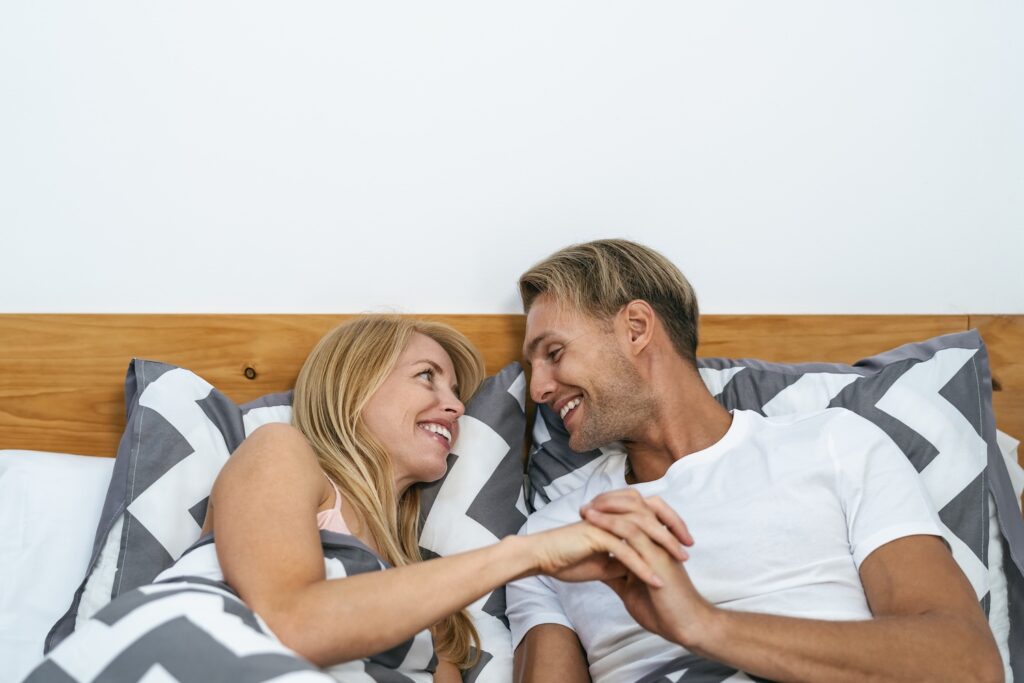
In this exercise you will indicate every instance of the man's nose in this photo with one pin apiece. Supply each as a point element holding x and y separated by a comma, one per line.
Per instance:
<point>542,386</point>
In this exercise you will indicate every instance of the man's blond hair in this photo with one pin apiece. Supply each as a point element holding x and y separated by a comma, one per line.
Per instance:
<point>598,278</point>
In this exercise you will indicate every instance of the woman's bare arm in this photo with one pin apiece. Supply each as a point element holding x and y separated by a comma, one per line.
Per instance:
<point>268,545</point>
<point>447,673</point>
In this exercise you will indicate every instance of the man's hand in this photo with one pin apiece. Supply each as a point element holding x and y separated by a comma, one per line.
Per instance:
<point>587,552</point>
<point>673,610</point>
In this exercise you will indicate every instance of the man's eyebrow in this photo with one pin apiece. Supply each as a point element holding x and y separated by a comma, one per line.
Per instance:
<point>537,341</point>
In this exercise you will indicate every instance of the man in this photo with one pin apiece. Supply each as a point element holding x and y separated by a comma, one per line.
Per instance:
<point>816,554</point>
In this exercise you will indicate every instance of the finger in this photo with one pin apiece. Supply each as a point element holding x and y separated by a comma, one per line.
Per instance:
<point>621,500</point>
<point>637,529</point>
<point>671,519</point>
<point>662,510</point>
<point>628,526</point>
<point>628,557</point>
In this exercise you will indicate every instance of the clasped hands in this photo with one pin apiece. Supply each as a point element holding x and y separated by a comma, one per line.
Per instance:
<point>637,547</point>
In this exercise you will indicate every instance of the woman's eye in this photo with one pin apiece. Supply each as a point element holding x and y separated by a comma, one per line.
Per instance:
<point>426,374</point>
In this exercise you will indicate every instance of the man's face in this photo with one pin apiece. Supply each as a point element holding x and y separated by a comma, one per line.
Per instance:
<point>582,373</point>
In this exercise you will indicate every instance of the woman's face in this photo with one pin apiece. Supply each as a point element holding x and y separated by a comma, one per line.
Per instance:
<point>414,413</point>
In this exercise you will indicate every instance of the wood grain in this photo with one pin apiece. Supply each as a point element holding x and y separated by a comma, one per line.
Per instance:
<point>1004,338</point>
<point>828,338</point>
<point>61,376</point>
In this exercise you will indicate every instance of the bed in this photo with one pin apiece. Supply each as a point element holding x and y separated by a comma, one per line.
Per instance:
<point>62,391</point>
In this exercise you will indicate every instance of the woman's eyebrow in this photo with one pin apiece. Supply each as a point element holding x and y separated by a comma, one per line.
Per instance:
<point>437,368</point>
<point>439,371</point>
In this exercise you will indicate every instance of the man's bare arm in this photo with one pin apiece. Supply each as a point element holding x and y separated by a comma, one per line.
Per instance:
<point>927,626</point>
<point>550,652</point>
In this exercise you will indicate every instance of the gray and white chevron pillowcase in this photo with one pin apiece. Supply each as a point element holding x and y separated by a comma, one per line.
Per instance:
<point>933,398</point>
<point>181,430</point>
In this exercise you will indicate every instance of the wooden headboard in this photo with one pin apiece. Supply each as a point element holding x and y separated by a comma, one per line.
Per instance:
<point>61,376</point>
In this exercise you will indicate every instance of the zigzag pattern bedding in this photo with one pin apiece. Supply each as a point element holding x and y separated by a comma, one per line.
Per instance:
<point>178,631</point>
<point>694,669</point>
<point>189,626</point>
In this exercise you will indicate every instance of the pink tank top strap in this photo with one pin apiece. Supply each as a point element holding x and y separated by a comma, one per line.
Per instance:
<point>331,520</point>
<point>337,496</point>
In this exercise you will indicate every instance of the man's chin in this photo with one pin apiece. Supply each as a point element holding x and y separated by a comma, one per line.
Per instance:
<point>584,438</point>
<point>580,443</point>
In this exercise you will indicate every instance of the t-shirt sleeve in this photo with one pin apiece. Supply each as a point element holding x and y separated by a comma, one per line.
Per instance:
<point>532,601</point>
<point>883,496</point>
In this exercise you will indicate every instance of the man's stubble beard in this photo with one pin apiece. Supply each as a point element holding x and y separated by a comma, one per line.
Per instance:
<point>617,407</point>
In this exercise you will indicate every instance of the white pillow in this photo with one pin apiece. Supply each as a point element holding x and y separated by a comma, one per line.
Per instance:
<point>49,507</point>
<point>999,608</point>
<point>1008,446</point>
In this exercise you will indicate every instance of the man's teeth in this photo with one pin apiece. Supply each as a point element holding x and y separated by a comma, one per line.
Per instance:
<point>437,429</point>
<point>569,406</point>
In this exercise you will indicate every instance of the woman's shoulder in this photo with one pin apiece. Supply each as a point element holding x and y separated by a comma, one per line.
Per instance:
<point>273,439</point>
<point>274,450</point>
<point>277,432</point>
<point>273,472</point>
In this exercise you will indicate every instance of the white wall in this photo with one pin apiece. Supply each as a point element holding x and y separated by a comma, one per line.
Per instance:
<point>838,157</point>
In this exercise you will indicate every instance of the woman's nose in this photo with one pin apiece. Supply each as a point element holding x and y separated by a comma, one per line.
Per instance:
<point>453,406</point>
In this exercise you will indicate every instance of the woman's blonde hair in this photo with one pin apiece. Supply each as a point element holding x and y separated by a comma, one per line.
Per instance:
<point>337,380</point>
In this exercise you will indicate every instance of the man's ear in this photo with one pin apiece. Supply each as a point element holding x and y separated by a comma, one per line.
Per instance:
<point>639,319</point>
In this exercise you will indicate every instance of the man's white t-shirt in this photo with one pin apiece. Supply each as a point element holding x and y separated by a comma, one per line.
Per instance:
<point>782,510</point>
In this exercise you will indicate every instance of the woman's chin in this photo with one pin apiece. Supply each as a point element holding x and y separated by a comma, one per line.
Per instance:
<point>437,476</point>
<point>435,473</point>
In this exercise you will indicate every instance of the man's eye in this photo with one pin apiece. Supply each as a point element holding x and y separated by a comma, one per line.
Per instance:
<point>555,354</point>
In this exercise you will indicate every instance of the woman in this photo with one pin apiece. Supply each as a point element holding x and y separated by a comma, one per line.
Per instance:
<point>376,407</point>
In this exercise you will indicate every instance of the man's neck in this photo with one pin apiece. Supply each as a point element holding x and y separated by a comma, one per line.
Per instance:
<point>689,420</point>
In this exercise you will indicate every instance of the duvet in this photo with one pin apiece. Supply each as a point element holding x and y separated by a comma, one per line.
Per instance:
<point>188,625</point>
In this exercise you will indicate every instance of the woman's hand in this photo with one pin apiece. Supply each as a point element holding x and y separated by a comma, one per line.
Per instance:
<point>586,551</point>
<point>674,609</point>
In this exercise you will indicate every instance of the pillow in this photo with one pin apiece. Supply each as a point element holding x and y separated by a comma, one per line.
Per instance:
<point>180,431</point>
<point>49,506</point>
<point>933,398</point>
<point>999,608</point>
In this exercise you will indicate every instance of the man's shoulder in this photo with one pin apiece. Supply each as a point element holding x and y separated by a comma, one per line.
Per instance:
<point>850,440</point>
<point>812,434</point>
<point>819,421</point>
<point>811,417</point>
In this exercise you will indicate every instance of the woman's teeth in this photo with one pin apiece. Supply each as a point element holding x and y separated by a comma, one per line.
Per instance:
<point>437,429</point>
